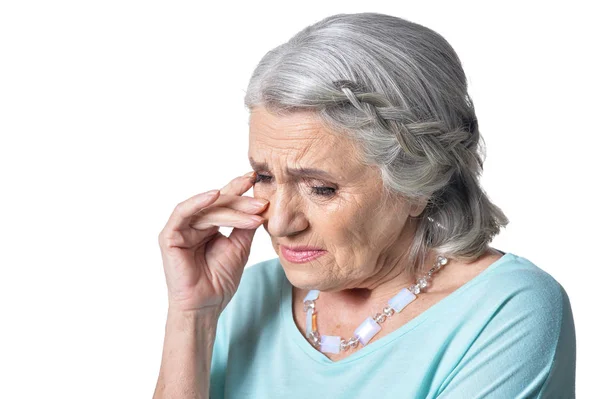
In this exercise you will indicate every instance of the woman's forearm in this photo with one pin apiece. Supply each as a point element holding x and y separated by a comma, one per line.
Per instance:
<point>186,358</point>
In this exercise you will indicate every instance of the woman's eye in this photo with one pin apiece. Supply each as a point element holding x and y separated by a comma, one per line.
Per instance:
<point>260,178</point>
<point>324,191</point>
<point>321,191</point>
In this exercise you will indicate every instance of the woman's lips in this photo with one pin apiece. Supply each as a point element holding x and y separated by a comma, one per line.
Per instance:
<point>300,256</point>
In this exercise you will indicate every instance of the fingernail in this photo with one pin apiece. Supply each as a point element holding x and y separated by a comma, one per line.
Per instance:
<point>250,175</point>
<point>259,203</point>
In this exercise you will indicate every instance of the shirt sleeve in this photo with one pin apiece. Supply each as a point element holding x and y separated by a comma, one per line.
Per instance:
<point>526,349</point>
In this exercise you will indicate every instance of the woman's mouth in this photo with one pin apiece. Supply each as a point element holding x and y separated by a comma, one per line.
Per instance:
<point>300,256</point>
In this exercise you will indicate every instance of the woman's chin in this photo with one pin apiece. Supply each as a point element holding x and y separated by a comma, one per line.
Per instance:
<point>301,279</point>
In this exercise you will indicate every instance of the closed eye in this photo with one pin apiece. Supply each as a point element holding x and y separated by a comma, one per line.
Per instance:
<point>322,191</point>
<point>260,178</point>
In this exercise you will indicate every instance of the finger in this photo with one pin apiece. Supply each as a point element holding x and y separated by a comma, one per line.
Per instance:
<point>189,238</point>
<point>242,239</point>
<point>205,228</point>
<point>240,184</point>
<point>183,212</point>
<point>240,203</point>
<point>195,233</point>
<point>225,217</point>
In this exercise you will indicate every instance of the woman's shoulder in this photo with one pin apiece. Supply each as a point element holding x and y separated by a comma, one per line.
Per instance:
<point>507,277</point>
<point>514,275</point>
<point>521,320</point>
<point>520,292</point>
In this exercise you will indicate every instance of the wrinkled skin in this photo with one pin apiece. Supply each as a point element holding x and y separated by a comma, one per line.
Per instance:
<point>365,237</point>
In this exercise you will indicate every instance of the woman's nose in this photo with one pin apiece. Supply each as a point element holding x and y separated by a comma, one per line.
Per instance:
<point>284,215</point>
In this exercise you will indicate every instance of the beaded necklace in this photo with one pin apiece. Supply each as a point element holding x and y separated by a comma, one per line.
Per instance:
<point>371,325</point>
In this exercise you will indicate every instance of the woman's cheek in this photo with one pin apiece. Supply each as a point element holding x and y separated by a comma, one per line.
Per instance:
<point>259,192</point>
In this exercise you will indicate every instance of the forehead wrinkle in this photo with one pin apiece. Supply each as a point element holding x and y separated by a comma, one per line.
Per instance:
<point>300,138</point>
<point>311,160</point>
<point>290,124</point>
<point>297,147</point>
<point>297,126</point>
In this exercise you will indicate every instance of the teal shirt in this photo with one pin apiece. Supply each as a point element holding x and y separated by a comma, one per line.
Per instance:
<point>507,333</point>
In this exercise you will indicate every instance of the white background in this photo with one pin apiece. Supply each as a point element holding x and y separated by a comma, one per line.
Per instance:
<point>112,112</point>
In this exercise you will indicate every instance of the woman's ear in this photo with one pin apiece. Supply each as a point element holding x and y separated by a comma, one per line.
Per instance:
<point>418,207</point>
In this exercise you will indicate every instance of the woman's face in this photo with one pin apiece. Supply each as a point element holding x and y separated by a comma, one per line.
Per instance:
<point>342,211</point>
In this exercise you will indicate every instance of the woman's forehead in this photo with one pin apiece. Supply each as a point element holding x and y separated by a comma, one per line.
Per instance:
<point>294,127</point>
<point>302,158</point>
<point>300,145</point>
<point>296,132</point>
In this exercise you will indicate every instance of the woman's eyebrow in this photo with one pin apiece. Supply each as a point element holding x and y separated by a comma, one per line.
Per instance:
<point>298,172</point>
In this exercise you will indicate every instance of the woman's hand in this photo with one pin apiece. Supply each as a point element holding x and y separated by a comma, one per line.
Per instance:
<point>203,267</point>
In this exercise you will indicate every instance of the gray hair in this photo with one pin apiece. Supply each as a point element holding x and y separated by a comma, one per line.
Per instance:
<point>398,90</point>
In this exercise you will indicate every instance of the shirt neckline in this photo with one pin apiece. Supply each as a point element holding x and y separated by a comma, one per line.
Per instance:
<point>290,329</point>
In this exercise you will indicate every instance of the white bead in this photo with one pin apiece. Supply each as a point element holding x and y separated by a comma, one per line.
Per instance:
<point>367,330</point>
<point>312,295</point>
<point>330,343</point>
<point>403,298</point>
<point>309,321</point>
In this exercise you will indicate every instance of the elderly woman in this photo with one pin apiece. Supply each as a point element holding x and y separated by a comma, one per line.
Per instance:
<point>365,149</point>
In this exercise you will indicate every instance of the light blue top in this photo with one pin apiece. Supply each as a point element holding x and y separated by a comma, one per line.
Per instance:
<point>507,333</point>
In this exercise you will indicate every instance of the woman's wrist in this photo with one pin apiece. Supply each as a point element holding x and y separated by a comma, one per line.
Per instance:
<point>187,353</point>
<point>192,319</point>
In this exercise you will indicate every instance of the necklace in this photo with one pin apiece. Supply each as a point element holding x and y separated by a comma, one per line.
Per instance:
<point>371,325</point>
